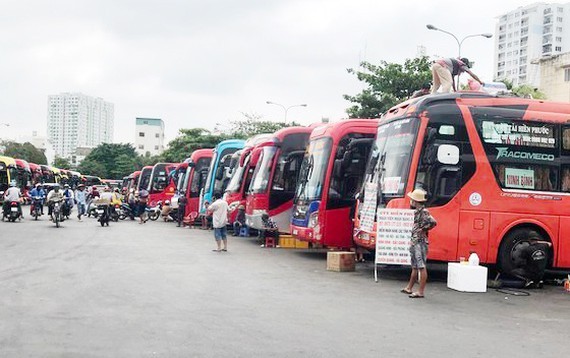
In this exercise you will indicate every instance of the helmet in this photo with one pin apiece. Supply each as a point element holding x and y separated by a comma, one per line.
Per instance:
<point>13,183</point>
<point>56,187</point>
<point>66,186</point>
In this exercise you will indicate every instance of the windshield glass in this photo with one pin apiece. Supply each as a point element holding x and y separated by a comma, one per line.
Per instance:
<point>145,179</point>
<point>181,175</point>
<point>392,152</point>
<point>237,178</point>
<point>185,180</point>
<point>211,172</point>
<point>262,172</point>
<point>313,170</point>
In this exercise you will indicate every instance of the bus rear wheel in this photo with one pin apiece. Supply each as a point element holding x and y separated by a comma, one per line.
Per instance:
<point>511,253</point>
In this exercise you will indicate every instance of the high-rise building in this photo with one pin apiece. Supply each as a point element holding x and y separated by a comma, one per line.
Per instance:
<point>526,35</point>
<point>77,120</point>
<point>149,136</point>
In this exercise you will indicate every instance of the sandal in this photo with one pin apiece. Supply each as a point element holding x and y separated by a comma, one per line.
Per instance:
<point>416,295</point>
<point>216,250</point>
<point>224,250</point>
<point>406,291</point>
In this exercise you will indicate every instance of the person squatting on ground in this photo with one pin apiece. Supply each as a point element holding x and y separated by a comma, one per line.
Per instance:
<point>534,253</point>
<point>445,69</point>
<point>81,200</point>
<point>166,210</point>
<point>240,220</point>
<point>219,212</point>
<point>423,222</point>
<point>269,229</point>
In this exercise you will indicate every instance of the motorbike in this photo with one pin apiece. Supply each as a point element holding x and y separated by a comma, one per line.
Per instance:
<point>57,213</point>
<point>36,207</point>
<point>66,208</point>
<point>154,212</point>
<point>126,211</point>
<point>92,210</point>
<point>103,214</point>
<point>13,213</point>
<point>115,212</point>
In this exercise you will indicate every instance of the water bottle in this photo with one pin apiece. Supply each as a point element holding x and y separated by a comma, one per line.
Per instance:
<point>473,259</point>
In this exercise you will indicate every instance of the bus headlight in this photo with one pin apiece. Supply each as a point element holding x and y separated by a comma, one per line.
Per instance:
<point>314,219</point>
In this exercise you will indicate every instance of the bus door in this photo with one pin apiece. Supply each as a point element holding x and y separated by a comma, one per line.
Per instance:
<point>445,154</point>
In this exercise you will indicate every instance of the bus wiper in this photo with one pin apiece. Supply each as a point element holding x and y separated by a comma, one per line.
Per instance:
<point>380,177</point>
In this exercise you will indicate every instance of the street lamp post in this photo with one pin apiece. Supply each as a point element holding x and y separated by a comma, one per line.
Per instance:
<point>459,43</point>
<point>286,109</point>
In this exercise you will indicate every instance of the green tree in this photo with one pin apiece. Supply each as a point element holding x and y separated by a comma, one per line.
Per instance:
<point>386,85</point>
<point>61,163</point>
<point>528,91</point>
<point>26,151</point>
<point>253,124</point>
<point>102,161</point>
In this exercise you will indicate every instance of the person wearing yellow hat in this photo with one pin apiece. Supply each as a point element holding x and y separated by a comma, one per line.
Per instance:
<point>423,222</point>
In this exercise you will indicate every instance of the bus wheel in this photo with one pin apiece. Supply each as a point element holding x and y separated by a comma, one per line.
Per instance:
<point>512,248</point>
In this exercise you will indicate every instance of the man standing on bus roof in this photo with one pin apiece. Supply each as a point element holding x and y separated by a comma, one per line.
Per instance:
<point>423,222</point>
<point>445,69</point>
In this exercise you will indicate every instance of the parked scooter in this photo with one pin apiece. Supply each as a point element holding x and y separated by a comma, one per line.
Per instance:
<point>92,210</point>
<point>154,212</point>
<point>126,211</point>
<point>115,212</point>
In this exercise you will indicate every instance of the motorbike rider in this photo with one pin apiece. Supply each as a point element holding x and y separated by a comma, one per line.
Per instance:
<point>81,200</point>
<point>12,195</point>
<point>54,195</point>
<point>38,192</point>
<point>69,197</point>
<point>116,200</point>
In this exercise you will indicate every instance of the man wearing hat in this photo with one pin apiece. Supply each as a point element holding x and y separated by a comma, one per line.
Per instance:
<point>81,200</point>
<point>445,69</point>
<point>423,222</point>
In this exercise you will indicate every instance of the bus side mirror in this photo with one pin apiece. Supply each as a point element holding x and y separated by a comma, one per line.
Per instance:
<point>448,154</point>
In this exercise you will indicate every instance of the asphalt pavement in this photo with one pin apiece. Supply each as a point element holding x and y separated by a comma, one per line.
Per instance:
<point>155,290</point>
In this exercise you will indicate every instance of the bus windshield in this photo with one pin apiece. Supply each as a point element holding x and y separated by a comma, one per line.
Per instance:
<point>263,170</point>
<point>391,155</point>
<point>145,179</point>
<point>313,170</point>
<point>237,178</point>
<point>211,173</point>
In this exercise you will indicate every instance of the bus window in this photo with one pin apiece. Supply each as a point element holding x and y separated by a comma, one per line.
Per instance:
<point>566,178</point>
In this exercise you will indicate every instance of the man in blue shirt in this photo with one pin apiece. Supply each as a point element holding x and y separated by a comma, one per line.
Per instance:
<point>81,200</point>
<point>38,195</point>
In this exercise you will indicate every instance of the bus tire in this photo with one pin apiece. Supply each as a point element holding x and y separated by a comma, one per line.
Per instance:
<point>511,249</point>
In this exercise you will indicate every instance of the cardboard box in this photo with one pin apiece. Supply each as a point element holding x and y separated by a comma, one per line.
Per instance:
<point>340,261</point>
<point>466,278</point>
<point>286,242</point>
<point>301,244</point>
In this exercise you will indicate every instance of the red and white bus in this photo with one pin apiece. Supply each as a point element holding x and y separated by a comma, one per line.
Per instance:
<point>36,173</point>
<point>496,169</point>
<point>161,185</point>
<point>330,177</point>
<point>194,181</point>
<point>242,173</point>
<point>132,181</point>
<point>274,180</point>
<point>144,178</point>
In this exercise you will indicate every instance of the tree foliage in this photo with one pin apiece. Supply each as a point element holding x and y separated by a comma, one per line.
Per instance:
<point>386,85</point>
<point>108,160</point>
<point>189,140</point>
<point>528,91</point>
<point>61,163</point>
<point>26,151</point>
<point>253,124</point>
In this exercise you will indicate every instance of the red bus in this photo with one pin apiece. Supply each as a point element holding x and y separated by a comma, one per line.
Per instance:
<point>161,185</point>
<point>132,181</point>
<point>274,180</point>
<point>496,169</point>
<point>195,180</point>
<point>48,175</point>
<point>36,173</point>
<point>144,178</point>
<point>335,160</point>
<point>24,178</point>
<point>242,174</point>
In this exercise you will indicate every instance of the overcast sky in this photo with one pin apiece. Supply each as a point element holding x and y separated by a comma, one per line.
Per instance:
<point>198,63</point>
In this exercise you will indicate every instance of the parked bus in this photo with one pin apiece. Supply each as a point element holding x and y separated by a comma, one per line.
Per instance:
<point>161,186</point>
<point>74,178</point>
<point>144,178</point>
<point>8,172</point>
<point>90,180</point>
<point>497,171</point>
<point>220,169</point>
<point>133,180</point>
<point>24,179</point>
<point>36,173</point>
<point>330,177</point>
<point>242,174</point>
<point>194,181</point>
<point>47,174</point>
<point>274,180</point>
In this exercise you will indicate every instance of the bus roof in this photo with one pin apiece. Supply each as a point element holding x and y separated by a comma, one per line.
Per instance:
<point>338,127</point>
<point>21,163</point>
<point>7,160</point>
<point>418,105</point>
<point>34,167</point>
<point>230,143</point>
<point>280,135</point>
<point>201,153</point>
